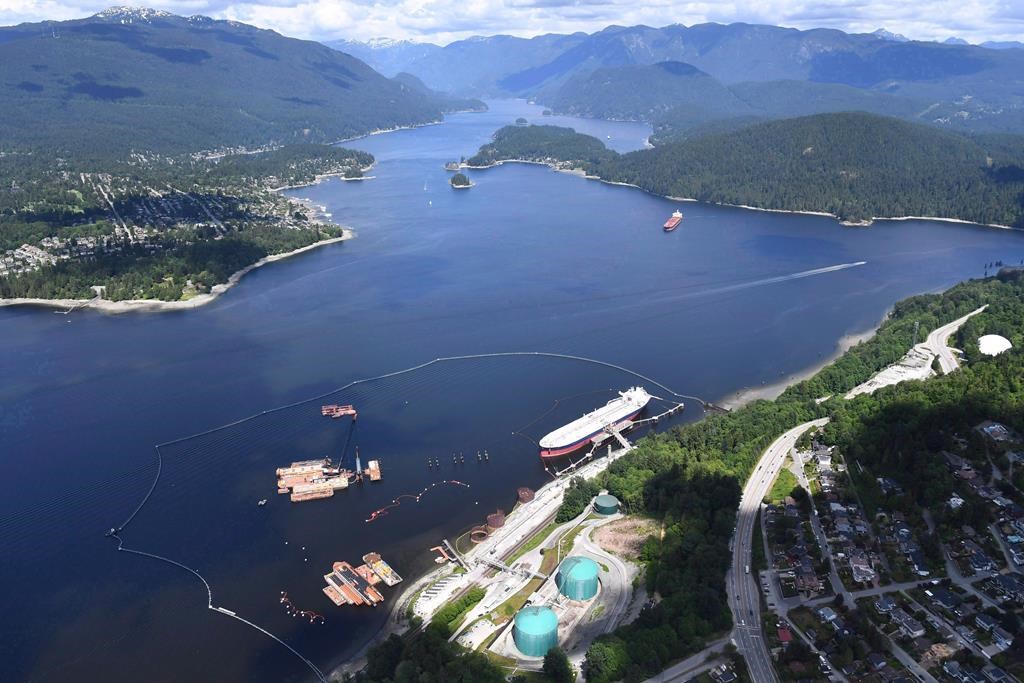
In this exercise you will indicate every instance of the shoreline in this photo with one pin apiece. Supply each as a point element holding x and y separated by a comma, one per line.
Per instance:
<point>402,601</point>
<point>747,395</point>
<point>325,176</point>
<point>158,306</point>
<point>822,214</point>
<point>320,214</point>
<point>382,131</point>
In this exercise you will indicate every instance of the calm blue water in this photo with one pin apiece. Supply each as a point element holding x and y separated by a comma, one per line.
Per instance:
<point>527,260</point>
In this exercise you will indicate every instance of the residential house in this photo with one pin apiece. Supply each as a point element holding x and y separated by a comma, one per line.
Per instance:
<point>993,674</point>
<point>1002,637</point>
<point>889,487</point>
<point>884,604</point>
<point>986,622</point>
<point>910,626</point>
<point>945,598</point>
<point>827,614</point>
<point>920,565</point>
<point>860,565</point>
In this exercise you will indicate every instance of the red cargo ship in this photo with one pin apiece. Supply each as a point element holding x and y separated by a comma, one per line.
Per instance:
<point>673,222</point>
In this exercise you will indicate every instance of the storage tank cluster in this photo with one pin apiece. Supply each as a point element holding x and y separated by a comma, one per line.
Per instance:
<point>577,578</point>
<point>535,630</point>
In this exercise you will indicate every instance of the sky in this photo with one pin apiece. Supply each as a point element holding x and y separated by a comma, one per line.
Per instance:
<point>442,21</point>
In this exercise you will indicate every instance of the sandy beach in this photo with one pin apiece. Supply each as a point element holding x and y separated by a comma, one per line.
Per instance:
<point>771,391</point>
<point>155,306</point>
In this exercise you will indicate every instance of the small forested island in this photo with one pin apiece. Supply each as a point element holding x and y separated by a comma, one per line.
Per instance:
<point>854,166</point>
<point>156,227</point>
<point>553,145</point>
<point>459,181</point>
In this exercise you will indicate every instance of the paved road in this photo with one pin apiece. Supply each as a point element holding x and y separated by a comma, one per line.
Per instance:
<point>744,593</point>
<point>953,571</point>
<point>936,342</point>
<point>619,583</point>
<point>836,674</point>
<point>1007,555</point>
<point>819,535</point>
<point>693,665</point>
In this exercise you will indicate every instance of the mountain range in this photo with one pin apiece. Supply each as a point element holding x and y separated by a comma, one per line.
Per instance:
<point>145,80</point>
<point>962,87</point>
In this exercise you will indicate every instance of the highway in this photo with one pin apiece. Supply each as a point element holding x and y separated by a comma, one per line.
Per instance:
<point>936,342</point>
<point>744,593</point>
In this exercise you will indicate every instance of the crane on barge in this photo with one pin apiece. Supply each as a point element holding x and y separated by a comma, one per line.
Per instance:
<point>372,466</point>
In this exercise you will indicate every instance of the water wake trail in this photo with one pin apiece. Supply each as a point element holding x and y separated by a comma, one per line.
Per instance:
<point>751,284</point>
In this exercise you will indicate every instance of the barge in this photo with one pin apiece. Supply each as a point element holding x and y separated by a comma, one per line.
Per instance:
<point>348,585</point>
<point>382,569</point>
<point>311,480</point>
<point>373,470</point>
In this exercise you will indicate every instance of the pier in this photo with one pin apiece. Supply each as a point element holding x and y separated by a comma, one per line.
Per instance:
<point>455,554</point>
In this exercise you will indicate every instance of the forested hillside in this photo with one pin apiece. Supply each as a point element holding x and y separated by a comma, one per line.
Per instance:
<point>640,92</point>
<point>140,80</point>
<point>690,478</point>
<point>855,166</point>
<point>676,97</point>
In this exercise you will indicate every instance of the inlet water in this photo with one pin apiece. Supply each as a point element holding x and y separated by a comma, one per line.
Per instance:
<point>529,259</point>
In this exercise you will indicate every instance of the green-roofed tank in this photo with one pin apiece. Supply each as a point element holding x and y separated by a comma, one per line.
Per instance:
<point>577,578</point>
<point>535,630</point>
<point>606,504</point>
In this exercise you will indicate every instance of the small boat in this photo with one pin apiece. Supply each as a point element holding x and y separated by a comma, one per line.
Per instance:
<point>673,222</point>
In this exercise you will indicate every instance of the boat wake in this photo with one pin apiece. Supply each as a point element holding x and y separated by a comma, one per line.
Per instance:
<point>762,282</point>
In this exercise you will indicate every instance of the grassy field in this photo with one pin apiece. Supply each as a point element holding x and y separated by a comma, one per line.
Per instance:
<point>782,486</point>
<point>532,542</point>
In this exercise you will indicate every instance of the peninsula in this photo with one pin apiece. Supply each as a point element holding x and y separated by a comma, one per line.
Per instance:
<point>164,234</point>
<point>857,167</point>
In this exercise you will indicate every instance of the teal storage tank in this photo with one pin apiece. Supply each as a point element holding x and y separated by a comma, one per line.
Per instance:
<point>577,578</point>
<point>606,504</point>
<point>535,630</point>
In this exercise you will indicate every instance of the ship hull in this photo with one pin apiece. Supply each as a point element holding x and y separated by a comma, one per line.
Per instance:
<point>556,451</point>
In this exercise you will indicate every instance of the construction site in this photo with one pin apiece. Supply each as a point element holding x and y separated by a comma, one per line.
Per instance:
<point>315,479</point>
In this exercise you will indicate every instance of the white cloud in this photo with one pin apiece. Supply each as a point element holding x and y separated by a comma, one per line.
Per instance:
<point>444,20</point>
